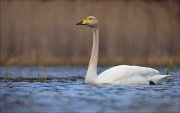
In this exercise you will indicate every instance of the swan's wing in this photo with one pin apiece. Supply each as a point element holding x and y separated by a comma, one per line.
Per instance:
<point>127,73</point>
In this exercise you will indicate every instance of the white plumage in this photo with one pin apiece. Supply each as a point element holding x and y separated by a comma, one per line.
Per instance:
<point>125,75</point>
<point>118,75</point>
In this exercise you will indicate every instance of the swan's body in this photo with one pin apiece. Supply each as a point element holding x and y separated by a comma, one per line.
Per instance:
<point>118,75</point>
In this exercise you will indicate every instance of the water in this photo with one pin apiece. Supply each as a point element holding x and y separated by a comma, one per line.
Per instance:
<point>62,89</point>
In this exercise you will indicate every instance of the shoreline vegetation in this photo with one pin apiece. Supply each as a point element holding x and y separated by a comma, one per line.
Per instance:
<point>84,62</point>
<point>43,32</point>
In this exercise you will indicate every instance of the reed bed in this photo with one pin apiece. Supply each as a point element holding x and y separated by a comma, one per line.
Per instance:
<point>131,32</point>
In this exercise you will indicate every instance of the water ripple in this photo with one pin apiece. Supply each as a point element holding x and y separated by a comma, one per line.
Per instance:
<point>65,91</point>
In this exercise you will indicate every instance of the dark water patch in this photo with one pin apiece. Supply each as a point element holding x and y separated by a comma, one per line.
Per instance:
<point>40,79</point>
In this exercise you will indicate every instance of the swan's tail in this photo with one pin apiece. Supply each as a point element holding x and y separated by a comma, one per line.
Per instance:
<point>157,78</point>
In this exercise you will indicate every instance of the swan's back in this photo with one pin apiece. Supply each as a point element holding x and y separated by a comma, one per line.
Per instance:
<point>125,74</point>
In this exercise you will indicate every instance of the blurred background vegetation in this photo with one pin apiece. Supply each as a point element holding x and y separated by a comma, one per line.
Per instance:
<point>43,32</point>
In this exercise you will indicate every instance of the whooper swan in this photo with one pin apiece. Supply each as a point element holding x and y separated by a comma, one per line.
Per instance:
<point>118,75</point>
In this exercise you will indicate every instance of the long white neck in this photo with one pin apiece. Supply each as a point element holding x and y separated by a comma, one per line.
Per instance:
<point>92,68</point>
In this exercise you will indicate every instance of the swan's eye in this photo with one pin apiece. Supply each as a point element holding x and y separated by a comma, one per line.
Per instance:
<point>90,19</point>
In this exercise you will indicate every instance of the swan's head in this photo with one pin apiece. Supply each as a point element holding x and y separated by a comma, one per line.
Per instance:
<point>90,21</point>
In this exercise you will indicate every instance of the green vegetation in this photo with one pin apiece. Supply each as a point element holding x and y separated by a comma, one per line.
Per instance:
<point>5,77</point>
<point>168,69</point>
<point>42,78</point>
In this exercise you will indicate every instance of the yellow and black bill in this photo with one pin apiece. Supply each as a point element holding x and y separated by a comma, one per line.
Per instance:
<point>84,22</point>
<point>80,23</point>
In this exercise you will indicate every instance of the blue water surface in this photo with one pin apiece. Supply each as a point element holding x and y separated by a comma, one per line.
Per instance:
<point>66,92</point>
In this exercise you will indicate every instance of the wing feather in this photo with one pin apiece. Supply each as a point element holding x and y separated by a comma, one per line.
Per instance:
<point>125,72</point>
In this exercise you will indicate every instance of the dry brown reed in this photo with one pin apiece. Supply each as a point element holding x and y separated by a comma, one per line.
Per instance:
<point>142,32</point>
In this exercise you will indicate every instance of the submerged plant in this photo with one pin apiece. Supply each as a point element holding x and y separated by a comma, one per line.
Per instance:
<point>168,69</point>
<point>5,77</point>
<point>42,78</point>
<point>38,73</point>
